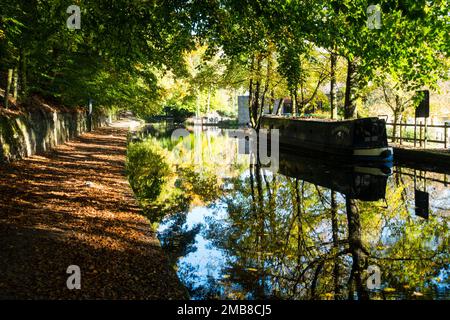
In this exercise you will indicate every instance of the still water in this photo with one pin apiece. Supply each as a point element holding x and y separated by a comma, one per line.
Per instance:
<point>310,229</point>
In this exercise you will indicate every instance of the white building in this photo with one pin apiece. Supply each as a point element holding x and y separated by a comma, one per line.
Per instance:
<point>243,112</point>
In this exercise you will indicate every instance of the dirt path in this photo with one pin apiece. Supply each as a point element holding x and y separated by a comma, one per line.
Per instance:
<point>74,206</point>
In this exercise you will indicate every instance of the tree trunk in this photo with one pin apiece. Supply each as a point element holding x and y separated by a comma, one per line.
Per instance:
<point>250,92</point>
<point>293,102</point>
<point>315,279</point>
<point>23,74</point>
<point>8,87</point>
<point>209,100</point>
<point>349,107</point>
<point>257,93</point>
<point>265,91</point>
<point>335,232</point>
<point>16,83</point>
<point>198,104</point>
<point>394,127</point>
<point>302,100</point>
<point>250,99</point>
<point>272,101</point>
<point>255,106</point>
<point>295,110</point>
<point>333,86</point>
<point>356,249</point>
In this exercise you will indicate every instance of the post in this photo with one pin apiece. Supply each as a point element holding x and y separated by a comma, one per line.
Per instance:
<point>415,131</point>
<point>401,133</point>
<point>420,134</point>
<point>90,115</point>
<point>425,134</point>
<point>445,135</point>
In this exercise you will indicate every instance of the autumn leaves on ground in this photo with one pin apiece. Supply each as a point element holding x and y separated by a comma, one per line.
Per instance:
<point>73,206</point>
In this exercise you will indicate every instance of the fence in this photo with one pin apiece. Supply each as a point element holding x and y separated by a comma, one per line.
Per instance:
<point>424,175</point>
<point>420,133</point>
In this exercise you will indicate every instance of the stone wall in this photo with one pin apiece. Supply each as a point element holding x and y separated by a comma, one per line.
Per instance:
<point>24,134</point>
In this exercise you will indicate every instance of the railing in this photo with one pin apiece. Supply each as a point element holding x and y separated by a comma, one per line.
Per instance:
<point>420,134</point>
<point>423,175</point>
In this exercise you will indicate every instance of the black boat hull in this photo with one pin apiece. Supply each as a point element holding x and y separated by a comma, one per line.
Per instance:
<point>361,139</point>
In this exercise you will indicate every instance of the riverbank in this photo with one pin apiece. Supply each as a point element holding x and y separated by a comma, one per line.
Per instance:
<point>73,206</point>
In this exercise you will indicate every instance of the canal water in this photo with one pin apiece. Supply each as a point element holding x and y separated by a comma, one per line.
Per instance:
<point>307,229</point>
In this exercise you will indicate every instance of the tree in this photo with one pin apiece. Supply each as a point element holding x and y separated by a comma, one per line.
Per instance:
<point>410,41</point>
<point>398,101</point>
<point>48,56</point>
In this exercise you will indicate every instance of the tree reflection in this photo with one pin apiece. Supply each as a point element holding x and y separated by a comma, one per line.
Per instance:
<point>308,232</point>
<point>289,239</point>
<point>178,240</point>
<point>166,190</point>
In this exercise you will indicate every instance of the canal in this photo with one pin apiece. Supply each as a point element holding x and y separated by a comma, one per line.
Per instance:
<point>309,229</point>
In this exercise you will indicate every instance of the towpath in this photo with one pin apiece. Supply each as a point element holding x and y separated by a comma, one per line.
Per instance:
<point>74,206</point>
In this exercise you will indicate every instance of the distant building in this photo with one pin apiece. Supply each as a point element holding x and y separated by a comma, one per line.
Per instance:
<point>286,107</point>
<point>243,113</point>
<point>281,106</point>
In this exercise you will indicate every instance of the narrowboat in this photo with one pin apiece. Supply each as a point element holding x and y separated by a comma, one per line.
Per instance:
<point>363,139</point>
<point>356,181</point>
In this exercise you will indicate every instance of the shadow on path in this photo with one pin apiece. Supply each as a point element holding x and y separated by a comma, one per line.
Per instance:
<point>73,206</point>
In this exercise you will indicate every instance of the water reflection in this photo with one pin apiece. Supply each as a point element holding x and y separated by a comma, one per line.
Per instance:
<point>309,231</point>
<point>357,181</point>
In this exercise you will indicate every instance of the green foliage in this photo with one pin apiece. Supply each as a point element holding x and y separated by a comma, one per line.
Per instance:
<point>111,59</point>
<point>164,181</point>
<point>147,170</point>
<point>180,54</point>
<point>203,184</point>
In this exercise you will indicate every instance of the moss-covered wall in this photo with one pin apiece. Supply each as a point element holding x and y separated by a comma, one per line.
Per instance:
<point>22,135</point>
